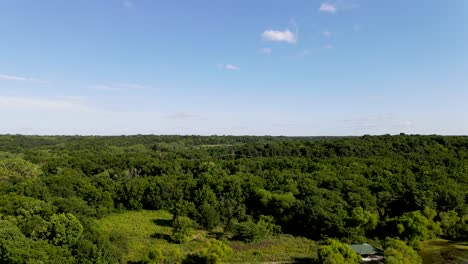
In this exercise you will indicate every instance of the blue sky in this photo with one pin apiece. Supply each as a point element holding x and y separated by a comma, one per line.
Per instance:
<point>256,67</point>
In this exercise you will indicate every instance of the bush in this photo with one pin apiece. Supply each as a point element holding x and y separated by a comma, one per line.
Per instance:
<point>333,251</point>
<point>181,229</point>
<point>397,252</point>
<point>215,252</point>
<point>173,255</point>
<point>155,256</point>
<point>198,258</point>
<point>268,223</point>
<point>250,231</point>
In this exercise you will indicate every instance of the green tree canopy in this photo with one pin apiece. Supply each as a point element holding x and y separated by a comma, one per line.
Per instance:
<point>335,252</point>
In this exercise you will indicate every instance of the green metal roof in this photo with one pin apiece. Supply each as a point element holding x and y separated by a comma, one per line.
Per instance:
<point>365,249</point>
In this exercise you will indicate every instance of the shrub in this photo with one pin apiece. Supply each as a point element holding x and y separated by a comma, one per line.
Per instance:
<point>397,252</point>
<point>215,252</point>
<point>249,231</point>
<point>181,229</point>
<point>333,251</point>
<point>155,256</point>
<point>268,223</point>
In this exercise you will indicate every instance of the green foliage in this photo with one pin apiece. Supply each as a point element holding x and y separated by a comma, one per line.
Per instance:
<point>267,221</point>
<point>14,246</point>
<point>217,251</point>
<point>155,256</point>
<point>64,229</point>
<point>120,244</point>
<point>181,229</point>
<point>397,252</point>
<point>414,226</point>
<point>350,187</point>
<point>30,215</point>
<point>175,255</point>
<point>335,252</point>
<point>249,231</point>
<point>365,221</point>
<point>208,212</point>
<point>214,252</point>
<point>196,258</point>
<point>17,169</point>
<point>448,223</point>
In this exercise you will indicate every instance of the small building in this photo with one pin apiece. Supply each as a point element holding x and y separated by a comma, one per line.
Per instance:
<point>368,253</point>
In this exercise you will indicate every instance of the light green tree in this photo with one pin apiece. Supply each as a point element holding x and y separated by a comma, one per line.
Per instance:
<point>17,169</point>
<point>397,252</point>
<point>64,229</point>
<point>335,252</point>
<point>448,222</point>
<point>414,226</point>
<point>14,246</point>
<point>364,220</point>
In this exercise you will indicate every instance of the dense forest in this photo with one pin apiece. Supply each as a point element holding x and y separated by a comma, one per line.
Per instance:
<point>390,191</point>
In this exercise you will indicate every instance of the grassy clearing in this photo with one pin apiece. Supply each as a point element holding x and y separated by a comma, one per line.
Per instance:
<point>147,230</point>
<point>283,248</point>
<point>444,251</point>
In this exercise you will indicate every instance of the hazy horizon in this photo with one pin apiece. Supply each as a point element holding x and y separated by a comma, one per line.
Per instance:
<point>280,68</point>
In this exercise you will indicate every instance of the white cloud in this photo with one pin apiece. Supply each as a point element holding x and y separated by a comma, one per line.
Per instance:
<point>267,51</point>
<point>19,78</point>
<point>328,8</point>
<point>328,46</point>
<point>229,67</point>
<point>279,36</point>
<point>22,103</point>
<point>232,67</point>
<point>327,33</point>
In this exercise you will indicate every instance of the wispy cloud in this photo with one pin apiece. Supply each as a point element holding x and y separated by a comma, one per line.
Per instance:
<point>229,67</point>
<point>327,33</point>
<point>134,86</point>
<point>304,53</point>
<point>357,27</point>
<point>267,51</point>
<point>328,46</point>
<point>19,78</point>
<point>22,103</point>
<point>128,4</point>
<point>328,8</point>
<point>372,121</point>
<point>405,123</point>
<point>182,116</point>
<point>377,122</point>
<point>106,88</point>
<point>279,36</point>
<point>120,87</point>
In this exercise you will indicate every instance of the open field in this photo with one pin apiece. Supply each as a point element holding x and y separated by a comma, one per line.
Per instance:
<point>283,248</point>
<point>444,251</point>
<point>145,230</point>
